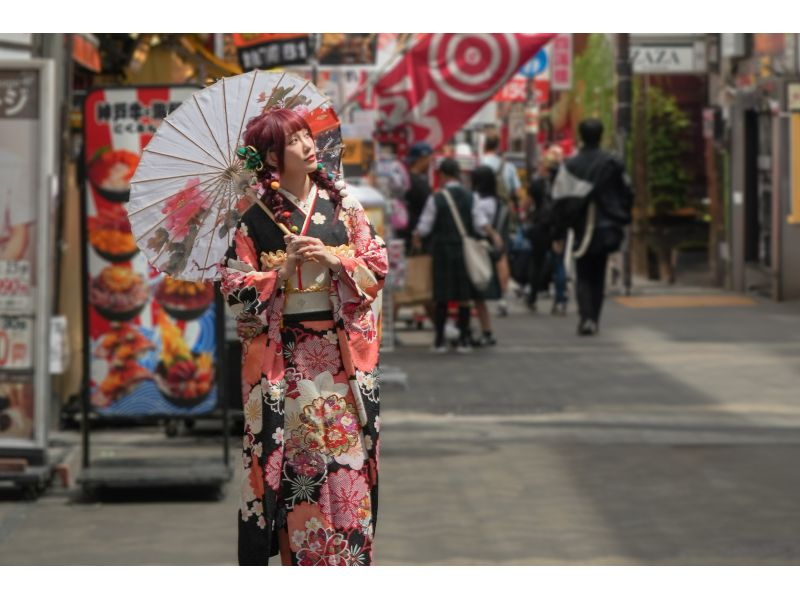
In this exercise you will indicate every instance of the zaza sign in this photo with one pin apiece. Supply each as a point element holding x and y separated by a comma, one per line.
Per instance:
<point>685,58</point>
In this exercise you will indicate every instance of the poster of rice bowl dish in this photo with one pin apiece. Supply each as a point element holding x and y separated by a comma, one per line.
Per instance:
<point>153,343</point>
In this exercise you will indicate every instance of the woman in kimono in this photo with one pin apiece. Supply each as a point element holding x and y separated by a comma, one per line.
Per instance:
<point>307,313</point>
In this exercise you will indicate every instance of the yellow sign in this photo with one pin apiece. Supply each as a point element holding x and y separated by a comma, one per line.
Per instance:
<point>376,217</point>
<point>794,141</point>
<point>353,152</point>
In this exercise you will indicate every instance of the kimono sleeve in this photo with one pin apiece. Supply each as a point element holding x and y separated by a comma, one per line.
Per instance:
<point>247,290</point>
<point>363,274</point>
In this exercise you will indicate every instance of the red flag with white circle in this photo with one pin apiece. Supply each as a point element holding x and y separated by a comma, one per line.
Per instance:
<point>445,78</point>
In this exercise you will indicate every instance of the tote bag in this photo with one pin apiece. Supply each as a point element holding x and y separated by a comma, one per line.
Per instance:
<point>476,253</point>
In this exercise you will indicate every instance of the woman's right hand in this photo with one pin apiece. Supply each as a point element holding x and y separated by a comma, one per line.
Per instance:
<point>293,256</point>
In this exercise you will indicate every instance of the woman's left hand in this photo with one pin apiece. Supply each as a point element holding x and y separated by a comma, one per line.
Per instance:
<point>313,249</point>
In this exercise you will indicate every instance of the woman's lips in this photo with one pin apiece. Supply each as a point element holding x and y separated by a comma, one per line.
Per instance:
<point>311,158</point>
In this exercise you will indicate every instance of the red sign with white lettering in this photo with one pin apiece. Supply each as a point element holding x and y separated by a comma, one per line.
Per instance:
<point>561,60</point>
<point>516,91</point>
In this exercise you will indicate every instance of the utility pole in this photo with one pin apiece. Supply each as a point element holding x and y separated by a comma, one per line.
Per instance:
<point>531,128</point>
<point>315,43</point>
<point>624,97</point>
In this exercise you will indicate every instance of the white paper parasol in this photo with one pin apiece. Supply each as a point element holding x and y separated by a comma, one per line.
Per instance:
<point>187,192</point>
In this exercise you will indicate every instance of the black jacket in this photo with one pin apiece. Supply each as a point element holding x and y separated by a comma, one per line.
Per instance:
<point>593,176</point>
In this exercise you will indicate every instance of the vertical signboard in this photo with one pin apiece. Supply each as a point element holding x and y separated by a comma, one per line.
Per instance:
<point>26,165</point>
<point>561,63</point>
<point>152,339</point>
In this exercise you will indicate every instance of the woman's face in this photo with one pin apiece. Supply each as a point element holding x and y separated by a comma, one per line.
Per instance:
<point>300,155</point>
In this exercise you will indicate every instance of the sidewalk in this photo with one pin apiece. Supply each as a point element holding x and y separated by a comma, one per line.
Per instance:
<point>670,438</point>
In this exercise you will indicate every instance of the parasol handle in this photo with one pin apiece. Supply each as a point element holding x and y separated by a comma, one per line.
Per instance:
<point>269,213</point>
<point>251,196</point>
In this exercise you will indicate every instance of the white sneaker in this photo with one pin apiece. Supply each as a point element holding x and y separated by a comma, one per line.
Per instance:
<point>502,308</point>
<point>439,349</point>
<point>464,349</point>
<point>451,332</point>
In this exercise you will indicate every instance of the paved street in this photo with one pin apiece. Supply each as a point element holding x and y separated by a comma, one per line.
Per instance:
<point>671,438</point>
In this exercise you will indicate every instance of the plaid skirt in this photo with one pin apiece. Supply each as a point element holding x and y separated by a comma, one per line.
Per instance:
<point>450,279</point>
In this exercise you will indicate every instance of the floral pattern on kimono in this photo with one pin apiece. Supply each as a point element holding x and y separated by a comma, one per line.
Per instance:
<point>331,449</point>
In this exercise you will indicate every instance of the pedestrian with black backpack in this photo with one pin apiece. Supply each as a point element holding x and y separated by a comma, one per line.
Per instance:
<point>592,195</point>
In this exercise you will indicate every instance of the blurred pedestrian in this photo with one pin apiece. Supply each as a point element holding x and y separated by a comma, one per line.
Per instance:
<point>547,253</point>
<point>418,161</point>
<point>484,187</point>
<point>593,196</point>
<point>509,191</point>
<point>451,282</point>
<point>419,190</point>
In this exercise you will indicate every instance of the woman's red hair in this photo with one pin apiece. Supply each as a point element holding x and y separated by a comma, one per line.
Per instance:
<point>268,132</point>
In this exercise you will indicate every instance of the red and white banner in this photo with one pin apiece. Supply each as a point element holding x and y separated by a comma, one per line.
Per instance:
<point>445,78</point>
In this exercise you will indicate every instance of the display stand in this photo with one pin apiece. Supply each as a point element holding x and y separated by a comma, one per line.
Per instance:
<point>132,471</point>
<point>137,351</point>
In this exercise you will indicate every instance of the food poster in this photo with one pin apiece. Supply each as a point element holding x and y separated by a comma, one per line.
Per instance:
<point>20,162</point>
<point>152,338</point>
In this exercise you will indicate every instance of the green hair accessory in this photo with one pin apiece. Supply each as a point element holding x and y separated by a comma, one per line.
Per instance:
<point>251,158</point>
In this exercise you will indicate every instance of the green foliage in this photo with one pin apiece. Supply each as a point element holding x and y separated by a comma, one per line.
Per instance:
<point>666,144</point>
<point>595,93</point>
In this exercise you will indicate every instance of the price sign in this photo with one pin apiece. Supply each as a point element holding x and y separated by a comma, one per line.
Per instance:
<point>16,292</point>
<point>16,343</point>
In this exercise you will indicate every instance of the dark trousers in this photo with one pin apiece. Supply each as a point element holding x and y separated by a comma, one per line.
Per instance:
<point>590,286</point>
<point>537,270</point>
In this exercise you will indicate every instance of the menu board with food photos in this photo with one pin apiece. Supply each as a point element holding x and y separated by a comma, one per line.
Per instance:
<point>153,342</point>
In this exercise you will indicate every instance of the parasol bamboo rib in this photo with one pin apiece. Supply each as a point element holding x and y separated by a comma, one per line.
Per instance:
<point>216,218</point>
<point>274,87</point>
<point>174,176</point>
<point>201,148</point>
<point>246,103</point>
<point>225,109</point>
<point>163,199</point>
<point>229,195</point>
<point>320,105</point>
<point>147,149</point>
<point>297,95</point>
<point>211,132</point>
<point>159,254</point>
<point>220,189</point>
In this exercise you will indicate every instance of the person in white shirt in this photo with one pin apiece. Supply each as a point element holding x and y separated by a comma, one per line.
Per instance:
<point>484,185</point>
<point>450,279</point>
<point>509,191</point>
